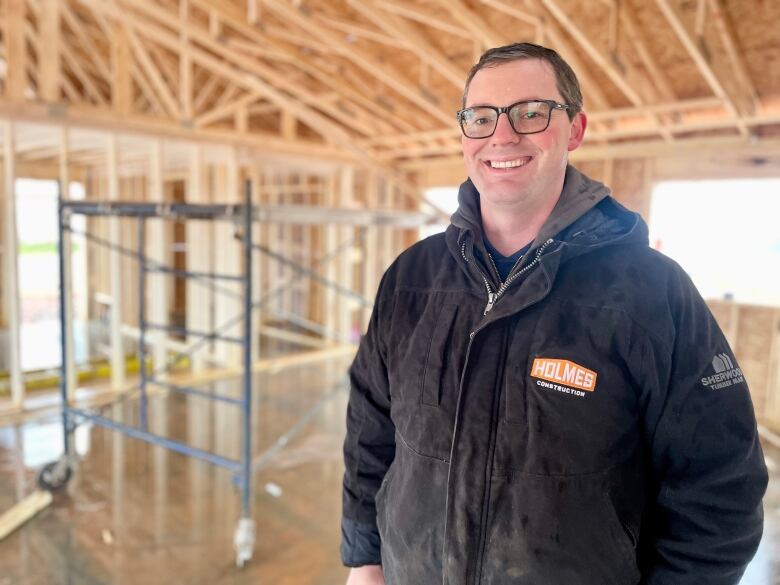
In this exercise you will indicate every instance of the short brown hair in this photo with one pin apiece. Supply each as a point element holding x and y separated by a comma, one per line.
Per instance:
<point>565,79</point>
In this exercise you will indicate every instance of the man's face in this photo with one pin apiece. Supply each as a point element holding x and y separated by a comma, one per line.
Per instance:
<point>542,156</point>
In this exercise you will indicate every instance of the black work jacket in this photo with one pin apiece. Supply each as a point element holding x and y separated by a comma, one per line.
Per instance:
<point>592,428</point>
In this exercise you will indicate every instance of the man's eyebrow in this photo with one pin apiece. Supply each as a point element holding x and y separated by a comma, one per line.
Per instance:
<point>531,99</point>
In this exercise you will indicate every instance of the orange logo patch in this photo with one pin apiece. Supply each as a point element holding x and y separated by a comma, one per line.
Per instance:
<point>564,372</point>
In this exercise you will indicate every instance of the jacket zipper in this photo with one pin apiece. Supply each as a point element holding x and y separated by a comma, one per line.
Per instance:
<point>493,296</point>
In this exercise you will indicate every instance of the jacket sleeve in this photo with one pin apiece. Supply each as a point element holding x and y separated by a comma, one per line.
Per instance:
<point>369,447</point>
<point>708,468</point>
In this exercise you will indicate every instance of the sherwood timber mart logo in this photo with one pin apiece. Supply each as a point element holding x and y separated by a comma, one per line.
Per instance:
<point>726,373</point>
<point>563,376</point>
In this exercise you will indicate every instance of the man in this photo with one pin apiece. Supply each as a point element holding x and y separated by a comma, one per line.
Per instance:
<point>541,399</point>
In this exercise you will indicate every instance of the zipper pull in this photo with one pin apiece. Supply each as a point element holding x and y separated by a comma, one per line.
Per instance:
<point>491,301</point>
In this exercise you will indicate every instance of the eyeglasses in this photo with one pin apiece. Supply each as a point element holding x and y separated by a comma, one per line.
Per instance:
<point>528,117</point>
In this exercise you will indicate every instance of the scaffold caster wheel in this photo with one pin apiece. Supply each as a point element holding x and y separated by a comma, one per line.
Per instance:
<point>244,541</point>
<point>55,475</point>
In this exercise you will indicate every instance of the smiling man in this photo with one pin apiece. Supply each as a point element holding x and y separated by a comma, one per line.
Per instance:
<point>531,404</point>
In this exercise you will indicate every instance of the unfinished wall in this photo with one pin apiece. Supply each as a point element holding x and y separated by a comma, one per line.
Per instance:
<point>754,334</point>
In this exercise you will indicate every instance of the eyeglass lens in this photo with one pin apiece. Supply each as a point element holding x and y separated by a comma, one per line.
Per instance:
<point>525,118</point>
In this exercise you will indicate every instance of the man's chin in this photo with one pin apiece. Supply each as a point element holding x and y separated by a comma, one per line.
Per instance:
<point>507,191</point>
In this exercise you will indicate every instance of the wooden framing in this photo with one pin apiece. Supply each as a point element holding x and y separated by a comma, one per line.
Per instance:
<point>410,38</point>
<point>11,265</point>
<point>49,51</point>
<point>198,258</point>
<point>169,58</point>
<point>23,511</point>
<point>121,74</point>
<point>15,49</point>
<point>355,99</point>
<point>227,259</point>
<point>117,347</point>
<point>725,27</point>
<point>157,250</point>
<point>703,65</point>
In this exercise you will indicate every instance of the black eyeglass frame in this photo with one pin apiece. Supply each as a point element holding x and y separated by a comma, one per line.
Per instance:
<point>505,110</point>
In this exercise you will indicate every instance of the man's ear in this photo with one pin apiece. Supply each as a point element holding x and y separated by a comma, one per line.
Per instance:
<point>577,131</point>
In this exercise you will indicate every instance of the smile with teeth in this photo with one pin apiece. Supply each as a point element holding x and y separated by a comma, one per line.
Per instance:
<point>509,164</point>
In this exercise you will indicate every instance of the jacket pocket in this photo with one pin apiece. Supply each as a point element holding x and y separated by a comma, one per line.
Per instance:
<point>557,530</point>
<point>436,357</point>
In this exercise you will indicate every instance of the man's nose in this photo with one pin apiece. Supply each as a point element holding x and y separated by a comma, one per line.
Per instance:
<point>504,132</point>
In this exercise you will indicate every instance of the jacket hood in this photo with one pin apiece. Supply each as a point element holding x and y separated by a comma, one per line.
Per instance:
<point>585,216</point>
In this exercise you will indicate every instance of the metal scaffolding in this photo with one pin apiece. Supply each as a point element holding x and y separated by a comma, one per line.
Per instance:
<point>55,475</point>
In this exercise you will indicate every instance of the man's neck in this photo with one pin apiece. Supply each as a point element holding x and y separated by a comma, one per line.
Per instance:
<point>509,229</point>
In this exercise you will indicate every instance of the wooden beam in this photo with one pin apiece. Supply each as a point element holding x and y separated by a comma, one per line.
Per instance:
<point>728,146</point>
<point>153,73</point>
<point>590,49</point>
<point>365,62</point>
<point>331,241</point>
<point>199,297</point>
<point>23,511</point>
<point>92,118</point>
<point>158,251</point>
<point>71,94</point>
<point>227,179</point>
<point>121,76</point>
<point>370,248</point>
<point>231,70</point>
<point>230,91</point>
<point>185,62</point>
<point>206,92</point>
<point>73,62</point>
<point>224,111</point>
<point>701,62</point>
<point>168,64</point>
<point>413,40</point>
<point>11,266</point>
<point>49,51</point>
<point>146,90</point>
<point>424,18</point>
<point>15,49</point>
<point>252,12</point>
<point>701,19</point>
<point>88,46</point>
<point>346,200</point>
<point>619,78</point>
<point>592,92</point>
<point>241,120</point>
<point>117,357</point>
<point>289,125</point>
<point>297,338</point>
<point>518,13</point>
<point>360,32</point>
<point>472,22</point>
<point>324,72</point>
<point>634,32</point>
<point>727,32</point>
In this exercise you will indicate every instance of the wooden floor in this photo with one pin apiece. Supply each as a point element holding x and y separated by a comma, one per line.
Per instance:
<point>136,514</point>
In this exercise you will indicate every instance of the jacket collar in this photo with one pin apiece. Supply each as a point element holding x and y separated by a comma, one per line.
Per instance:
<point>585,217</point>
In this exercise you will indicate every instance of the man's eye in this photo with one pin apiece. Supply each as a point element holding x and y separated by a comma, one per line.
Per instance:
<point>530,115</point>
<point>481,121</point>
